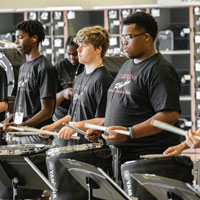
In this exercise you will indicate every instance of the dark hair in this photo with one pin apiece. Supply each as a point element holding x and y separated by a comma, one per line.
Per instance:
<point>70,42</point>
<point>143,20</point>
<point>32,27</point>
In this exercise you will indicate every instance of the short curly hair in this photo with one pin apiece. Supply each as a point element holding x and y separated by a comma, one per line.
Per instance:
<point>96,35</point>
<point>32,27</point>
<point>143,20</point>
<point>70,42</point>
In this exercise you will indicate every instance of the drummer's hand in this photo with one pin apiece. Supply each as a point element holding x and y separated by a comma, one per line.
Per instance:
<point>191,140</point>
<point>44,136</point>
<point>5,122</point>
<point>93,135</point>
<point>67,93</point>
<point>7,126</point>
<point>66,133</point>
<point>174,150</point>
<point>49,127</point>
<point>114,136</point>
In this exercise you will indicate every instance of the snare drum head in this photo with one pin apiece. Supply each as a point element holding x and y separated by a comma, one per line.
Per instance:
<point>22,149</point>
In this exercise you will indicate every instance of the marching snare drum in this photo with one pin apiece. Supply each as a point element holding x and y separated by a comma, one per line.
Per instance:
<point>67,187</point>
<point>13,164</point>
<point>176,167</point>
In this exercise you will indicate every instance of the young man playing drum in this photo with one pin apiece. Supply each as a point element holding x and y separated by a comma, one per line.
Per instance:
<point>146,87</point>
<point>90,87</point>
<point>36,93</point>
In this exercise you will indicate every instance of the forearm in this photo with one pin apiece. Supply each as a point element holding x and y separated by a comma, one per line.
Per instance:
<point>146,129</point>
<point>183,146</point>
<point>59,98</point>
<point>40,117</point>
<point>60,123</point>
<point>3,106</point>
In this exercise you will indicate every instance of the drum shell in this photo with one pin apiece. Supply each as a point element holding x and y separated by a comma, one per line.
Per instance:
<point>15,165</point>
<point>178,167</point>
<point>11,60</point>
<point>68,187</point>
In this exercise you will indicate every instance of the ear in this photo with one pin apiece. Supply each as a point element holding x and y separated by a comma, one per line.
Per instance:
<point>99,49</point>
<point>34,39</point>
<point>147,37</point>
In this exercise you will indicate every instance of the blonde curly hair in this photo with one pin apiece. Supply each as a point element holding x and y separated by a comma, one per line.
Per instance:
<point>96,35</point>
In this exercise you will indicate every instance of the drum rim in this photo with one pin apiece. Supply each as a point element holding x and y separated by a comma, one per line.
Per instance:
<point>22,149</point>
<point>72,148</point>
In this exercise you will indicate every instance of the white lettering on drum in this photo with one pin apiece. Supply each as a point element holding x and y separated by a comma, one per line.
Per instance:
<point>127,177</point>
<point>52,178</point>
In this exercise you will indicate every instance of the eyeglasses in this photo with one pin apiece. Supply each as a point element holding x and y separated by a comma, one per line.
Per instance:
<point>129,36</point>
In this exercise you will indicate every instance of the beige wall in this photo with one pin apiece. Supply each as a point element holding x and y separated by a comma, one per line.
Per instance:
<point>86,4</point>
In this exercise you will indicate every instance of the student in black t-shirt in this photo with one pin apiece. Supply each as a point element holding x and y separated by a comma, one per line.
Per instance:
<point>145,88</point>
<point>3,93</point>
<point>36,93</point>
<point>90,87</point>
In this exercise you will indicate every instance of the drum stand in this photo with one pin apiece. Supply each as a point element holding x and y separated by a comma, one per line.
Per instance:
<point>95,180</point>
<point>12,175</point>
<point>91,184</point>
<point>165,188</point>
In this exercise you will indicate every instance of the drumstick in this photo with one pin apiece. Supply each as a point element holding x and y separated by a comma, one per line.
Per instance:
<point>76,129</point>
<point>169,127</point>
<point>23,133</point>
<point>153,156</point>
<point>31,129</point>
<point>103,128</point>
<point>37,133</point>
<point>81,132</point>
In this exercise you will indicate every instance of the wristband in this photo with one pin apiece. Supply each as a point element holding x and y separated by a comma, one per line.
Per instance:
<point>131,132</point>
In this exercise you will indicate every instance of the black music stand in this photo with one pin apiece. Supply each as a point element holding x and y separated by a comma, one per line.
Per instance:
<point>18,172</point>
<point>162,187</point>
<point>94,180</point>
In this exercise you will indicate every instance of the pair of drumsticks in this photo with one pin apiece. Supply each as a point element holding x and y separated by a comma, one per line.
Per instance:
<point>25,130</point>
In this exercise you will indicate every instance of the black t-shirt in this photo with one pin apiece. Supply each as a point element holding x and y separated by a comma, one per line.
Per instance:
<point>65,77</point>
<point>3,90</point>
<point>90,96</point>
<point>138,92</point>
<point>37,80</point>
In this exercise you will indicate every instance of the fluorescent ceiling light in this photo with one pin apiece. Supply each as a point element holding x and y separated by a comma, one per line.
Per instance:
<point>126,6</point>
<point>50,8</point>
<point>64,8</point>
<point>7,10</point>
<point>28,9</point>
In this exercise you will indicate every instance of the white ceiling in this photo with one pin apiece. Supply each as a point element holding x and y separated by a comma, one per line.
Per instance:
<point>85,4</point>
